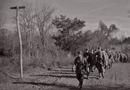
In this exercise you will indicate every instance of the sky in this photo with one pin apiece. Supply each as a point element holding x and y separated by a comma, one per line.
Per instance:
<point>92,11</point>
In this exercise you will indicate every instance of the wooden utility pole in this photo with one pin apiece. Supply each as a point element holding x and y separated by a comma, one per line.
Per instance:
<point>20,40</point>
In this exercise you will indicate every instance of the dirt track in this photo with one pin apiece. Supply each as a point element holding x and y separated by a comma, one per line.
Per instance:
<point>116,78</point>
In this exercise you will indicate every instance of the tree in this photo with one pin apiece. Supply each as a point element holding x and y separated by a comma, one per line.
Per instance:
<point>43,22</point>
<point>105,33</point>
<point>69,31</point>
<point>126,40</point>
<point>27,26</point>
<point>3,32</point>
<point>35,22</point>
<point>115,41</point>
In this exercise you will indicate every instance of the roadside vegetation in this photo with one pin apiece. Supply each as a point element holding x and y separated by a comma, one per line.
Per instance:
<point>52,41</point>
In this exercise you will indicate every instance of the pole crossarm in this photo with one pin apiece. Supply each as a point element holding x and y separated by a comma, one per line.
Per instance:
<point>16,7</point>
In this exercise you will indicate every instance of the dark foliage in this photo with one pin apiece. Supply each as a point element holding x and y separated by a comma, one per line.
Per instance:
<point>70,31</point>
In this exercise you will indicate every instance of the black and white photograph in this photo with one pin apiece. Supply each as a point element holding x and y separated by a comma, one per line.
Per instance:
<point>64,44</point>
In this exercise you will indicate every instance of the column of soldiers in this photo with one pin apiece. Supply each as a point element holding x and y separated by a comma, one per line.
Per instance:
<point>89,60</point>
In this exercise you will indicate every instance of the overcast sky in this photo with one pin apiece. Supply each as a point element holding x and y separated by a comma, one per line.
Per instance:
<point>92,11</point>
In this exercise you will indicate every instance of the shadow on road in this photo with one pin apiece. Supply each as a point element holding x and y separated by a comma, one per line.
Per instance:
<point>49,84</point>
<point>62,70</point>
<point>66,76</point>
<point>59,76</point>
<point>69,87</point>
<point>64,73</point>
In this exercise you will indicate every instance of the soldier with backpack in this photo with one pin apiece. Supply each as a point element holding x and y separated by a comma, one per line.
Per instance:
<point>100,62</point>
<point>87,61</point>
<point>79,65</point>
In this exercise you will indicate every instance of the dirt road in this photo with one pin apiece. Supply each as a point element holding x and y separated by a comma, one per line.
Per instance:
<point>116,78</point>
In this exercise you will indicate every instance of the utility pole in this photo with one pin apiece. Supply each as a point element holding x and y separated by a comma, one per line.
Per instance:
<point>19,35</point>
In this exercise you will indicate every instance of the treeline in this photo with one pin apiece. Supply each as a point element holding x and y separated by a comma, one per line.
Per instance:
<point>53,41</point>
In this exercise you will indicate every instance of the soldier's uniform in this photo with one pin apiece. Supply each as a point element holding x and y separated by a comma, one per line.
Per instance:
<point>99,55</point>
<point>78,59</point>
<point>79,62</point>
<point>79,68</point>
<point>92,62</point>
<point>87,61</point>
<point>87,58</point>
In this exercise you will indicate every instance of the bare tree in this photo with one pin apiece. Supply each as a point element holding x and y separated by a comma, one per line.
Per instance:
<point>43,21</point>
<point>104,32</point>
<point>27,26</point>
<point>35,21</point>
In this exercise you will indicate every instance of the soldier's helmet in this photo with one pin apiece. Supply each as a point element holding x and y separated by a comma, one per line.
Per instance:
<point>79,52</point>
<point>86,50</point>
<point>99,48</point>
